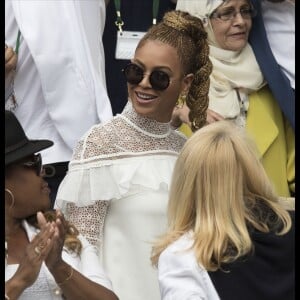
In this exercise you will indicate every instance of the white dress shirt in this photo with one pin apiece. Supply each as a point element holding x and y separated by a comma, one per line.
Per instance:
<point>279,20</point>
<point>60,82</point>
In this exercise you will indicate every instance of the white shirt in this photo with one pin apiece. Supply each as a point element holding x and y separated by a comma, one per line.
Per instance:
<point>180,276</point>
<point>45,287</point>
<point>60,81</point>
<point>279,20</point>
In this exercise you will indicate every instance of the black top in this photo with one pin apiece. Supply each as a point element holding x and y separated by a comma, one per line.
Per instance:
<point>269,274</point>
<point>137,16</point>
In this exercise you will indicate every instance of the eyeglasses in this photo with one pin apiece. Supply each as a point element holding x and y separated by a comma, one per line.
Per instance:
<point>246,13</point>
<point>35,164</point>
<point>134,74</point>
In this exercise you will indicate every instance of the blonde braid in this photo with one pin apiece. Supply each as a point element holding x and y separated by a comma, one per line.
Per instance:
<point>197,98</point>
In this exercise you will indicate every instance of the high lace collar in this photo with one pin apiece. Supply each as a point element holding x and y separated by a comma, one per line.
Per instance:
<point>147,125</point>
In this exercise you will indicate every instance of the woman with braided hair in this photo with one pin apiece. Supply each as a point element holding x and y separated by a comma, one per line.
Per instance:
<point>46,257</point>
<point>116,189</point>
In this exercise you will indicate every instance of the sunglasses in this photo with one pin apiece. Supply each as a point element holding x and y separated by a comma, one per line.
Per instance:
<point>35,164</point>
<point>134,74</point>
<point>228,15</point>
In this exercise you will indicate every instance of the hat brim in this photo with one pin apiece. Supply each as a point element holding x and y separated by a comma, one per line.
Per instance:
<point>29,148</point>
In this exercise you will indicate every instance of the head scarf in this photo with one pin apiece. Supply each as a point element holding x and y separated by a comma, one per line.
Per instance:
<point>231,69</point>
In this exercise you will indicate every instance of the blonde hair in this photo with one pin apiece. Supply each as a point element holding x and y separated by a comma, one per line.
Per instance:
<point>187,35</point>
<point>220,191</point>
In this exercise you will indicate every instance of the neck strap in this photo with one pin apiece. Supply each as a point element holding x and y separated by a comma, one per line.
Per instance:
<point>119,22</point>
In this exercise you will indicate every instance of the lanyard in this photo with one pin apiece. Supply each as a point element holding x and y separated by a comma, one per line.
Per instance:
<point>119,22</point>
<point>18,42</point>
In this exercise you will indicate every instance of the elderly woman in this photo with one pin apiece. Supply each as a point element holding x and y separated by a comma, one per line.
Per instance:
<point>238,91</point>
<point>46,257</point>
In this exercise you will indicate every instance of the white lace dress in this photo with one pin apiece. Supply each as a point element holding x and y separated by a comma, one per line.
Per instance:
<point>116,193</point>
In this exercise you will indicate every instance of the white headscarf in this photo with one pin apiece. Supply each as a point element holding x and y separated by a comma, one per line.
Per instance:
<point>231,69</point>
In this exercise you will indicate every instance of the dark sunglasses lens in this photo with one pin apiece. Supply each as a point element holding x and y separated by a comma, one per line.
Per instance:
<point>36,164</point>
<point>159,80</point>
<point>133,73</point>
<point>39,165</point>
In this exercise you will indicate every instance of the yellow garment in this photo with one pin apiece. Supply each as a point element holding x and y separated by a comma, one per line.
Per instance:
<point>274,138</point>
<point>186,130</point>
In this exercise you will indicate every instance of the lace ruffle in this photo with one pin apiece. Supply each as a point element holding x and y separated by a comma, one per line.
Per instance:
<point>107,180</point>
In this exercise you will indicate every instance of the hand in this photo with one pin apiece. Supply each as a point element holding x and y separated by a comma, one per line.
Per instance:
<point>180,115</point>
<point>213,116</point>
<point>54,257</point>
<point>11,59</point>
<point>30,265</point>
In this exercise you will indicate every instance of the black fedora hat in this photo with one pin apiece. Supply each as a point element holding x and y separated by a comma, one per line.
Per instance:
<point>17,145</point>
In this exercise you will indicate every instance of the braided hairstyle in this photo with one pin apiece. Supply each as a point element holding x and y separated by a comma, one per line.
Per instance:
<point>187,35</point>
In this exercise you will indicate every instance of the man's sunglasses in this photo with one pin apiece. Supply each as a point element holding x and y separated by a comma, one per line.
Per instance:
<point>134,74</point>
<point>35,164</point>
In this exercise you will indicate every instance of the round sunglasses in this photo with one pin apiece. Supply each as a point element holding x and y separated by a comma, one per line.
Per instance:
<point>134,74</point>
<point>35,164</point>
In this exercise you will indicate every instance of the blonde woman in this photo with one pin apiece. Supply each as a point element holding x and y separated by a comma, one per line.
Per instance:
<point>229,236</point>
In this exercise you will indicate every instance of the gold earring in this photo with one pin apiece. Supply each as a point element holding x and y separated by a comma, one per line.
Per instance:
<point>12,198</point>
<point>181,101</point>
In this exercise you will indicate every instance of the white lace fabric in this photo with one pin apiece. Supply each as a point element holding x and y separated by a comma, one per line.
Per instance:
<point>126,135</point>
<point>114,160</point>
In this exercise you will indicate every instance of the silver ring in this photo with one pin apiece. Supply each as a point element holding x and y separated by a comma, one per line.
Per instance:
<point>37,250</point>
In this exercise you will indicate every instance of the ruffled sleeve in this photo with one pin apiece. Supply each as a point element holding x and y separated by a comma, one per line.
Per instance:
<point>112,179</point>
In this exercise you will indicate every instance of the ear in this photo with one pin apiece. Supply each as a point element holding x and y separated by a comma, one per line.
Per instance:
<point>186,83</point>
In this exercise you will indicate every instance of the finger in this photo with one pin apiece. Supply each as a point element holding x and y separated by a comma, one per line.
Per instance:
<point>216,116</point>
<point>9,53</point>
<point>62,219</point>
<point>41,238</point>
<point>11,63</point>
<point>41,243</point>
<point>61,228</point>
<point>210,120</point>
<point>41,219</point>
<point>48,247</point>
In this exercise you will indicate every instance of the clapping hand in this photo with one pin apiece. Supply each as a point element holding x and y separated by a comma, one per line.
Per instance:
<point>54,256</point>
<point>35,253</point>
